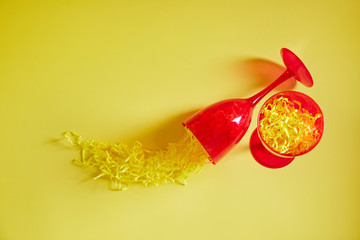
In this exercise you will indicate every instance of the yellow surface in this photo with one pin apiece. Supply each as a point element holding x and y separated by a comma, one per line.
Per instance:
<point>127,70</point>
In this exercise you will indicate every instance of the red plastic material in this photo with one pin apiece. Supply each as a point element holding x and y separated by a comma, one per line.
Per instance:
<point>221,126</point>
<point>297,67</point>
<point>268,157</point>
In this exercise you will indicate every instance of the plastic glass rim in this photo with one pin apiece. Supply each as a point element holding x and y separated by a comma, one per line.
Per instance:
<point>300,95</point>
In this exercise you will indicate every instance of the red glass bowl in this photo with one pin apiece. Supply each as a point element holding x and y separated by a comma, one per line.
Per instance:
<point>269,157</point>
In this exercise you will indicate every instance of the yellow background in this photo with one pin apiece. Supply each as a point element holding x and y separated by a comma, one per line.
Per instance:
<point>126,70</point>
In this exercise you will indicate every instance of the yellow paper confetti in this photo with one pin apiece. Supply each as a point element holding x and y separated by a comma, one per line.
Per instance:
<point>287,128</point>
<point>127,165</point>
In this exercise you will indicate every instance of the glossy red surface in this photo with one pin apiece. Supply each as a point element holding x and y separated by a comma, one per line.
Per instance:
<point>221,126</point>
<point>268,157</point>
<point>308,104</point>
<point>297,67</point>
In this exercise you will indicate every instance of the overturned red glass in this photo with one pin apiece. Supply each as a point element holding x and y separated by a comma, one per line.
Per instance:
<point>220,126</point>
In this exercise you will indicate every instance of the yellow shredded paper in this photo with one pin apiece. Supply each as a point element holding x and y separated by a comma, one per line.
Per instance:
<point>287,128</point>
<point>127,165</point>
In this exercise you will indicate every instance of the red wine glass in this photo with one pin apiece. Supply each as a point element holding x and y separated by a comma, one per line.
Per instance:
<point>220,126</point>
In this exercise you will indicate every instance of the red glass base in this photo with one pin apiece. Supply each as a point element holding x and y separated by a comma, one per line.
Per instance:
<point>297,67</point>
<point>263,156</point>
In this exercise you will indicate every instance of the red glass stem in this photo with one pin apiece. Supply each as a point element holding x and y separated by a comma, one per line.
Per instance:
<point>283,77</point>
<point>220,126</point>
